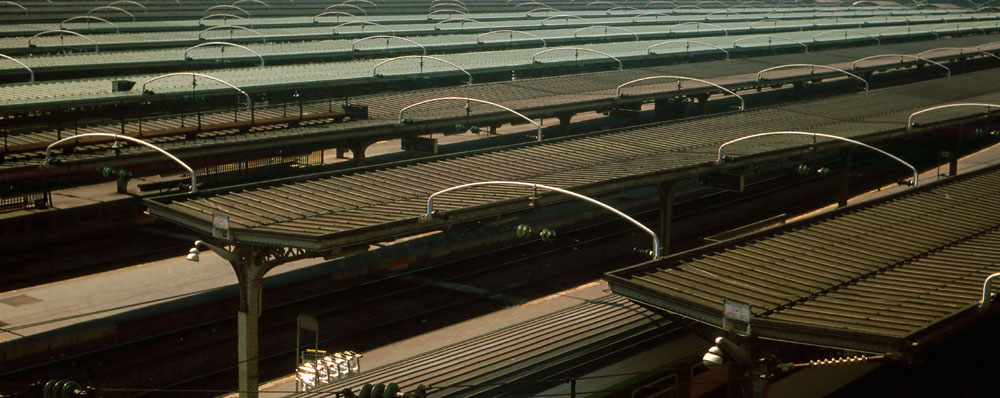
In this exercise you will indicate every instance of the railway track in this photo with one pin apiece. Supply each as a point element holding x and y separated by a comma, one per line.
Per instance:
<point>363,316</point>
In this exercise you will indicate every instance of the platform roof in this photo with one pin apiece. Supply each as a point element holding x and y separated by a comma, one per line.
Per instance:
<point>326,211</point>
<point>891,275</point>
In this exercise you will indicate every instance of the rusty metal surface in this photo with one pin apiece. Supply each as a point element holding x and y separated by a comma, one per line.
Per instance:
<point>330,210</point>
<point>879,274</point>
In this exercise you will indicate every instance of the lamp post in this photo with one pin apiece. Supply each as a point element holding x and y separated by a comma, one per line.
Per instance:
<point>719,160</point>
<point>655,252</point>
<point>194,178</point>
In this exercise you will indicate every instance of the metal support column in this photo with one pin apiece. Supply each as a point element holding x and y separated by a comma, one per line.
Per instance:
<point>702,104</point>
<point>564,119</point>
<point>250,272</point>
<point>666,189</point>
<point>358,150</point>
<point>844,189</point>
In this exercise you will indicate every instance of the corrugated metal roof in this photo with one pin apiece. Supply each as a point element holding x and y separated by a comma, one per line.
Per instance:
<point>886,272</point>
<point>328,209</point>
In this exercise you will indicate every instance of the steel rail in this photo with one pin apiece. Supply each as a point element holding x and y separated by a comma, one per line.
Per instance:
<point>854,65</point>
<point>223,43</point>
<point>909,120</point>
<point>719,160</point>
<point>656,241</point>
<point>194,177</point>
<point>812,71</point>
<point>467,100</point>
<point>618,90</point>
<point>421,57</point>
<point>577,49</point>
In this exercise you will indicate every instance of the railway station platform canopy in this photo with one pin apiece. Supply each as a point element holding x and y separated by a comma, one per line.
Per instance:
<point>328,212</point>
<point>892,275</point>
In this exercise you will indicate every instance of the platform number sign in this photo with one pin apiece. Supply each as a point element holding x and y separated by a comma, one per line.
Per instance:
<point>220,226</point>
<point>735,311</point>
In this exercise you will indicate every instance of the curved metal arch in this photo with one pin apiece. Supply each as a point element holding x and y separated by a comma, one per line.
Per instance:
<point>456,5</point>
<point>231,27</point>
<point>113,8</point>
<point>987,299</point>
<point>62,31</point>
<point>979,47</point>
<point>194,177</point>
<point>196,75</point>
<point>527,3</point>
<point>877,41</point>
<point>340,5</point>
<point>22,65</point>
<point>775,20</point>
<point>907,27</point>
<point>608,11</point>
<point>600,2</point>
<point>813,70</point>
<point>445,11</point>
<point>387,37</point>
<point>769,37</point>
<point>646,14</point>
<point>540,9</point>
<point>687,6</point>
<point>656,241</point>
<point>854,65</point>
<point>371,3</point>
<point>223,15</point>
<point>462,20</point>
<point>136,3</point>
<point>909,120</point>
<point>566,16</point>
<point>421,57</point>
<point>957,27</point>
<point>618,91</point>
<point>814,135</point>
<point>337,13</point>
<point>449,1</point>
<point>90,17</point>
<point>223,43</point>
<point>697,24</point>
<point>651,2</point>
<point>606,27</point>
<point>577,49</point>
<point>252,1</point>
<point>467,100</point>
<point>363,24</point>
<point>649,50</point>
<point>961,51</point>
<point>11,3</point>
<point>511,32</point>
